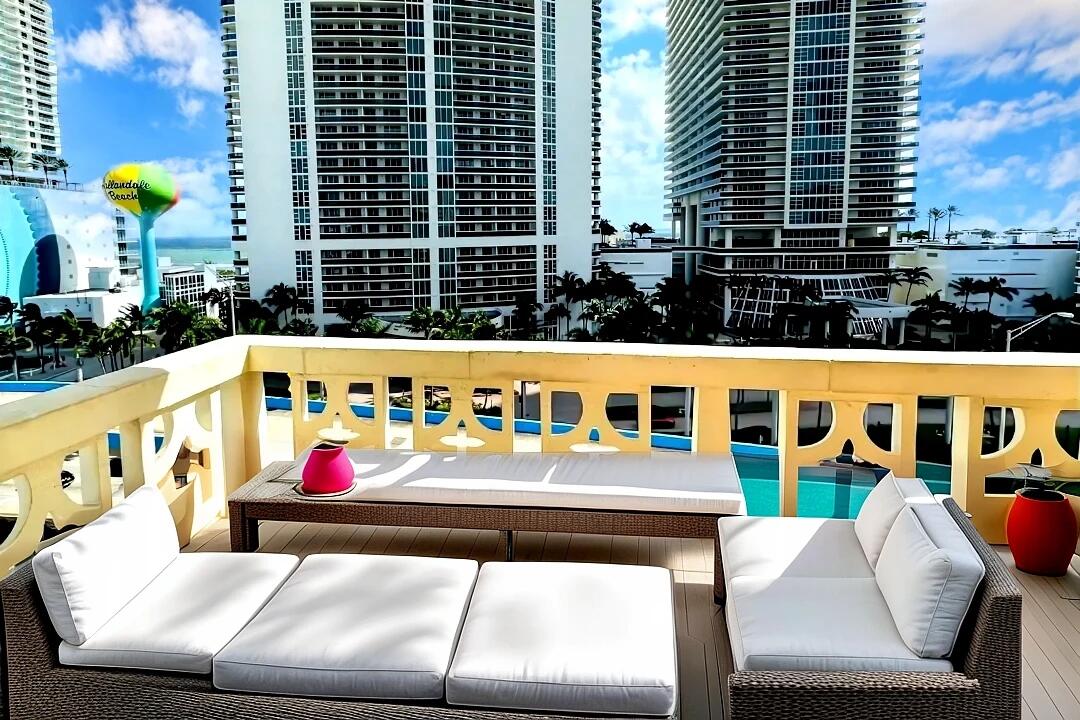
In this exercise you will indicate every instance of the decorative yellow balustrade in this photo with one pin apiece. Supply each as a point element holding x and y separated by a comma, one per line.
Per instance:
<point>210,399</point>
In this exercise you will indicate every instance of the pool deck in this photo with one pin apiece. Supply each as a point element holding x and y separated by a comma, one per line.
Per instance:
<point>1051,669</point>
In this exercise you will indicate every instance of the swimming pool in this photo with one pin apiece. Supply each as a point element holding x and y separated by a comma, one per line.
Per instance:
<point>823,491</point>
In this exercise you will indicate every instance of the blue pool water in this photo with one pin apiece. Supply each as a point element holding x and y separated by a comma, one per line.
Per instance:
<point>823,492</point>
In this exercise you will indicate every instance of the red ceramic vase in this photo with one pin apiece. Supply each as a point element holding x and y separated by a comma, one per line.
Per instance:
<point>327,470</point>
<point>1041,529</point>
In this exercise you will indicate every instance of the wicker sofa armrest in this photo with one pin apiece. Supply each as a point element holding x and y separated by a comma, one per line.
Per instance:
<point>770,695</point>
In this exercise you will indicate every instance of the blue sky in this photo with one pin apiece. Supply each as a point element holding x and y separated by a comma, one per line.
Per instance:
<point>140,80</point>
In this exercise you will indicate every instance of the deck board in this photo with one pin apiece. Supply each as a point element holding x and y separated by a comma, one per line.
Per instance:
<point>1051,667</point>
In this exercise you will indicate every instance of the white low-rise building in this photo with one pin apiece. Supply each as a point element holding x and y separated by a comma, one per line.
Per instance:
<point>647,263</point>
<point>1032,265</point>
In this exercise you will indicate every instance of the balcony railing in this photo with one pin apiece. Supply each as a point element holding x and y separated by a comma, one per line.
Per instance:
<point>211,401</point>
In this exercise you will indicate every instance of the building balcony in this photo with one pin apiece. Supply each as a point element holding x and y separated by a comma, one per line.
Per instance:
<point>208,405</point>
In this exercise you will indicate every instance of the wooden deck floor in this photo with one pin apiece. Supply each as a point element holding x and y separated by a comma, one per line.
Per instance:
<point>1051,623</point>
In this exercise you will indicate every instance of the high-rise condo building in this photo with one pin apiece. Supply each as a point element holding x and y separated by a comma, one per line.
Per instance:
<point>791,143</point>
<point>412,153</point>
<point>29,119</point>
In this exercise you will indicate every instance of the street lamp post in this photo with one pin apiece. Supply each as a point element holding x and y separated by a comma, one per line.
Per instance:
<point>1017,332</point>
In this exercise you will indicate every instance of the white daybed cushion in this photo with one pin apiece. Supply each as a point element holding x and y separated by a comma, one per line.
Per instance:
<point>87,577</point>
<point>186,615</point>
<point>882,505</point>
<point>824,624</point>
<point>791,547</point>
<point>355,626</point>
<point>568,637</point>
<point>657,482</point>
<point>928,575</point>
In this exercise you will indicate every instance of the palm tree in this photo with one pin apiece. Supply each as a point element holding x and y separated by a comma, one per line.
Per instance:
<point>998,287</point>
<point>10,346</point>
<point>355,312</point>
<point>423,320</point>
<point>931,309</point>
<point>523,324</point>
<point>952,211</point>
<point>935,215</point>
<point>1044,304</point>
<point>45,163</point>
<point>281,298</point>
<point>34,329</point>
<point>221,300</point>
<point>121,343</point>
<point>182,326</point>
<point>633,228</point>
<point>62,165</point>
<point>136,321</point>
<point>93,344</point>
<point>911,217</point>
<point>606,229</point>
<point>71,331</point>
<point>965,287</point>
<point>300,327</point>
<point>7,309</point>
<point>556,314</point>
<point>10,156</point>
<point>913,276</point>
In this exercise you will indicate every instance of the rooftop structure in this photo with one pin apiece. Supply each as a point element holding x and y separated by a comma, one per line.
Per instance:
<point>29,110</point>
<point>410,154</point>
<point>799,158</point>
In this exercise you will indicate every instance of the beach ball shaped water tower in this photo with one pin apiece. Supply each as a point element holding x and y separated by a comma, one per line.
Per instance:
<point>147,191</point>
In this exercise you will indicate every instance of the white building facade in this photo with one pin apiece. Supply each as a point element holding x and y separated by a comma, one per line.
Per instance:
<point>791,142</point>
<point>29,112</point>
<point>1032,267</point>
<point>412,153</point>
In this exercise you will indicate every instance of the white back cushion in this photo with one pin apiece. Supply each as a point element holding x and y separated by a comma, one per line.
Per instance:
<point>876,517</point>
<point>928,587</point>
<point>87,577</point>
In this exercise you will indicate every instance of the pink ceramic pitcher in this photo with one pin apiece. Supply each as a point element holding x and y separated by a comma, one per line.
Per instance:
<point>327,470</point>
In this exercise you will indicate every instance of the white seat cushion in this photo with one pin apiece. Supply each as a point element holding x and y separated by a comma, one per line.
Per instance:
<point>791,547</point>
<point>88,576</point>
<point>186,615</point>
<point>879,511</point>
<point>660,482</point>
<point>824,624</point>
<point>568,637</point>
<point>928,573</point>
<point>354,626</point>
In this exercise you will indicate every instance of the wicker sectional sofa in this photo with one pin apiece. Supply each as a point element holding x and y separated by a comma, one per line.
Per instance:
<point>845,619</point>
<point>113,621</point>
<point>265,659</point>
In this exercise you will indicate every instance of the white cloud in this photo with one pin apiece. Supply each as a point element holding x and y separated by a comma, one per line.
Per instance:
<point>947,139</point>
<point>972,38</point>
<point>1063,219</point>
<point>974,175</point>
<point>633,138</point>
<point>190,106</point>
<point>1061,63</point>
<point>622,18</point>
<point>173,45</point>
<point>1064,168</point>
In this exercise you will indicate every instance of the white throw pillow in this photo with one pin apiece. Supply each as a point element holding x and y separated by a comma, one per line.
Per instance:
<point>87,577</point>
<point>928,587</point>
<point>876,517</point>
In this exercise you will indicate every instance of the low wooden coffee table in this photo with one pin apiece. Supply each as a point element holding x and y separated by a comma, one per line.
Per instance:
<point>272,495</point>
